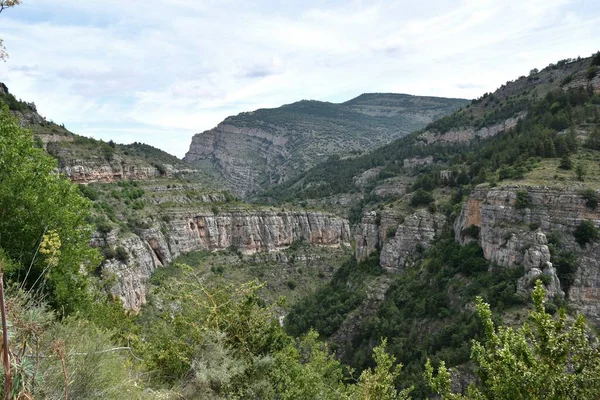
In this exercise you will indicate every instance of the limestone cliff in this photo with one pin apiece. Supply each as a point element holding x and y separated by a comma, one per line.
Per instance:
<point>247,231</point>
<point>399,238</point>
<point>255,150</point>
<point>512,235</point>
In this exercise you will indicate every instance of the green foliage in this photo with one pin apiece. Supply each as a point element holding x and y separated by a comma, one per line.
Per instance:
<point>523,200</point>
<point>565,162</point>
<point>34,201</point>
<point>10,101</point>
<point>424,311</point>
<point>421,198</point>
<point>591,198</point>
<point>53,357</point>
<point>593,140</point>
<point>88,192</point>
<point>566,265</point>
<point>591,72</point>
<point>580,171</point>
<point>378,383</point>
<point>586,232</point>
<point>306,370</point>
<point>596,59</point>
<point>327,308</point>
<point>121,254</point>
<point>545,358</point>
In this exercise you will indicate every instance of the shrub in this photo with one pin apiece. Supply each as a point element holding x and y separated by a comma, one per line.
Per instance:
<point>593,140</point>
<point>591,72</point>
<point>596,59</point>
<point>565,162</point>
<point>121,254</point>
<point>523,200</point>
<point>421,198</point>
<point>580,171</point>
<point>471,231</point>
<point>591,197</point>
<point>88,192</point>
<point>109,253</point>
<point>586,232</point>
<point>291,284</point>
<point>103,226</point>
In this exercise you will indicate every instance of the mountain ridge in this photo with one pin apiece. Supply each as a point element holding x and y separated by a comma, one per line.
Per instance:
<point>254,150</point>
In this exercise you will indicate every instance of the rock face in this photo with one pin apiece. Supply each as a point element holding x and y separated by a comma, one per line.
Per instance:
<point>417,231</point>
<point>92,170</point>
<point>373,231</point>
<point>408,235</point>
<point>507,238</point>
<point>253,151</point>
<point>245,231</point>
<point>467,134</point>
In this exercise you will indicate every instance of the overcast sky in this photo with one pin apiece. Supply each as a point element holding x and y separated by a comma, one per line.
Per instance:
<point>158,71</point>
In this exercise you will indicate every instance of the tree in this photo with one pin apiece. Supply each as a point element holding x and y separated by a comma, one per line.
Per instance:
<point>550,358</point>
<point>565,162</point>
<point>4,4</point>
<point>593,140</point>
<point>586,232</point>
<point>596,59</point>
<point>378,383</point>
<point>580,171</point>
<point>43,228</point>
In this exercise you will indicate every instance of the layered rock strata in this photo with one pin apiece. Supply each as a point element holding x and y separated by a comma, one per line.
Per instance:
<point>516,236</point>
<point>245,231</point>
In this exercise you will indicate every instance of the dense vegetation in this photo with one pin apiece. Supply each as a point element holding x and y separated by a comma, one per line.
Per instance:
<point>424,313</point>
<point>547,130</point>
<point>199,337</point>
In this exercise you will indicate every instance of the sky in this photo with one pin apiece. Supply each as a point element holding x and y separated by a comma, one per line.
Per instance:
<point>158,71</point>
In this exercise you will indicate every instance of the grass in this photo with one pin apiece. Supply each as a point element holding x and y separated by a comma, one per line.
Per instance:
<point>547,173</point>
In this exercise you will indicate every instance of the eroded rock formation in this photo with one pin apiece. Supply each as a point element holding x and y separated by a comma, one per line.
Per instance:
<point>511,236</point>
<point>247,231</point>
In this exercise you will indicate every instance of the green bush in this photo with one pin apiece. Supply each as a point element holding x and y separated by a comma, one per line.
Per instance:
<point>121,254</point>
<point>586,232</point>
<point>421,198</point>
<point>523,200</point>
<point>591,198</point>
<point>109,252</point>
<point>596,59</point>
<point>565,162</point>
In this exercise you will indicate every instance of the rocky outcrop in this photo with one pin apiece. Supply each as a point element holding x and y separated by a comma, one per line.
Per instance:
<point>247,231</point>
<point>467,134</point>
<point>362,180</point>
<point>373,231</point>
<point>94,169</point>
<point>399,238</point>
<point>415,233</point>
<point>417,162</point>
<point>255,150</point>
<point>516,236</point>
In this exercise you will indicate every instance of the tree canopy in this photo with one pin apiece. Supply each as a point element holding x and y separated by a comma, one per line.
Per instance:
<point>44,236</point>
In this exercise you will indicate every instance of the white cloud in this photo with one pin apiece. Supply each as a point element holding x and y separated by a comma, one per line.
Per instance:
<point>164,69</point>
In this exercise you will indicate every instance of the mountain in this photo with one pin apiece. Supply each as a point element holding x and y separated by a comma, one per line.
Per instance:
<point>151,208</point>
<point>255,150</point>
<point>484,201</point>
<point>488,201</point>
